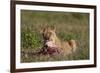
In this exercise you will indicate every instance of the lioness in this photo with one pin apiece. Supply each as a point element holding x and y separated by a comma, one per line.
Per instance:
<point>49,35</point>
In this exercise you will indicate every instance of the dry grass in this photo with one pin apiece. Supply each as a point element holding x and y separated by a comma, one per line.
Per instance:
<point>68,26</point>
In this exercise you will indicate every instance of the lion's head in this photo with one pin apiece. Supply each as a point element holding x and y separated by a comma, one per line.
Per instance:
<point>48,33</point>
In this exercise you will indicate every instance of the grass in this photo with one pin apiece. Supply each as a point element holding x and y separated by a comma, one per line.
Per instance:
<point>68,26</point>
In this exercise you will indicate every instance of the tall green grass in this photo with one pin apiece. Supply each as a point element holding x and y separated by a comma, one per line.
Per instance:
<point>69,25</point>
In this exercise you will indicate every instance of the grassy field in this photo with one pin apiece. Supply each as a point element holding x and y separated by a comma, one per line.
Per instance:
<point>68,26</point>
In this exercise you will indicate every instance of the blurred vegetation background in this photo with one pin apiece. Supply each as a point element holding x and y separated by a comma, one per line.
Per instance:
<point>69,25</point>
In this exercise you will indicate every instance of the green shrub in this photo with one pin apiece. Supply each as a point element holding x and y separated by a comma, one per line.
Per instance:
<point>30,40</point>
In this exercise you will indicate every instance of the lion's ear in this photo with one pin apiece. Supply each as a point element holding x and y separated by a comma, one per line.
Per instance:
<point>42,28</point>
<point>53,27</point>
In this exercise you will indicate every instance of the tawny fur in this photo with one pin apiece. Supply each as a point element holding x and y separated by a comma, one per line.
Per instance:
<point>66,47</point>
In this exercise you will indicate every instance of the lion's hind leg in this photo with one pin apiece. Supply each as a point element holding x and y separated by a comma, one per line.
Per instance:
<point>73,44</point>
